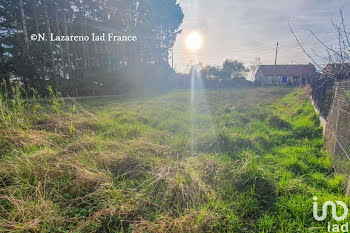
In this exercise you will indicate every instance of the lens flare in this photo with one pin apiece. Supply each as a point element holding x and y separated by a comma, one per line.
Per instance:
<point>194,41</point>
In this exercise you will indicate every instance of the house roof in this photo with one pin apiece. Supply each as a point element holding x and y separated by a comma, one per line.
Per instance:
<point>287,70</point>
<point>337,70</point>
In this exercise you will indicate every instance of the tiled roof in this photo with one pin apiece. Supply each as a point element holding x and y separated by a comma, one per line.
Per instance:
<point>337,70</point>
<point>287,70</point>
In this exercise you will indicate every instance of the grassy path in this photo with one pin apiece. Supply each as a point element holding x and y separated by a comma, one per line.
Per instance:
<point>246,160</point>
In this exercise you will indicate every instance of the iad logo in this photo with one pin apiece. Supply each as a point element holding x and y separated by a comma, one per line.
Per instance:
<point>334,210</point>
<point>334,227</point>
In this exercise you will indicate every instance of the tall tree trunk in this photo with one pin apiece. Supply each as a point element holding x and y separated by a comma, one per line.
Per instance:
<point>26,42</point>
<point>24,24</point>
<point>83,44</point>
<point>65,29</point>
<point>36,19</point>
<point>96,65</point>
<point>88,58</point>
<point>75,53</point>
<point>53,67</point>
<point>61,48</point>
<point>40,59</point>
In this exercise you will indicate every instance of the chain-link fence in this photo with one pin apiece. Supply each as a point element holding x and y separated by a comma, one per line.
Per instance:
<point>322,94</point>
<point>338,128</point>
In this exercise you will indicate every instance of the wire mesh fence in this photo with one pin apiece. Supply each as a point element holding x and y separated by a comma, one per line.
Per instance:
<point>338,128</point>
<point>322,94</point>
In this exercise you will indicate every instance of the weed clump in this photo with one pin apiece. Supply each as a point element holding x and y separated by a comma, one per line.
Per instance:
<point>224,142</point>
<point>251,177</point>
<point>277,122</point>
<point>192,221</point>
<point>307,131</point>
<point>30,215</point>
<point>263,142</point>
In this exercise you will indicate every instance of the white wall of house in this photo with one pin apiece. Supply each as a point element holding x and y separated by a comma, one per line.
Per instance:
<point>279,80</point>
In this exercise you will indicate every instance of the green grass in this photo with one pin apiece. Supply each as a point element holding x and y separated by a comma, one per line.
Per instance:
<point>347,94</point>
<point>240,161</point>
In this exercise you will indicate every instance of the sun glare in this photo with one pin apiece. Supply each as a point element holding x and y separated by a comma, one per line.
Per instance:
<point>194,41</point>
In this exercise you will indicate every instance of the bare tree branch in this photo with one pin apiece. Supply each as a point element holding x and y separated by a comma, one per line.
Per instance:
<point>319,40</point>
<point>302,47</point>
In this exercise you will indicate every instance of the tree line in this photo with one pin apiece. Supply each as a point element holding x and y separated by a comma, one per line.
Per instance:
<point>80,68</point>
<point>232,73</point>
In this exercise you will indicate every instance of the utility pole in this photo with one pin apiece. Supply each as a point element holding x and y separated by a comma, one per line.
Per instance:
<point>276,54</point>
<point>275,80</point>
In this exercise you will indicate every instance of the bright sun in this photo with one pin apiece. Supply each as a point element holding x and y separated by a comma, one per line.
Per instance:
<point>194,41</point>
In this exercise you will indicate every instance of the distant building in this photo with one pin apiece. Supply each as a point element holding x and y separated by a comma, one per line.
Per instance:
<point>337,70</point>
<point>284,74</point>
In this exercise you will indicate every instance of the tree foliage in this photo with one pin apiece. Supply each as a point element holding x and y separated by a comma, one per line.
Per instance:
<point>73,67</point>
<point>230,69</point>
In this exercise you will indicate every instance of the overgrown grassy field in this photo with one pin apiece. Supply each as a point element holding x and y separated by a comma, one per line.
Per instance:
<point>247,160</point>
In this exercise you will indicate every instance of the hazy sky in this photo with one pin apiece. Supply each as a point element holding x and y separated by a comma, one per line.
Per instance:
<point>245,29</point>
